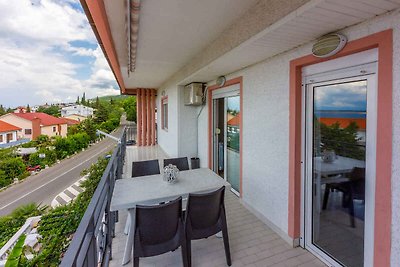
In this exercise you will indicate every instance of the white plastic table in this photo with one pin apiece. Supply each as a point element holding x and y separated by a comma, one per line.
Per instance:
<point>151,189</point>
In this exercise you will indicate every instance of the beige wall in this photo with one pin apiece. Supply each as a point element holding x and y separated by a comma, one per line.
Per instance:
<point>19,122</point>
<point>48,130</point>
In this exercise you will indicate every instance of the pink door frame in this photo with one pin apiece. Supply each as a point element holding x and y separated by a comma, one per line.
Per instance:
<point>238,80</point>
<point>383,209</point>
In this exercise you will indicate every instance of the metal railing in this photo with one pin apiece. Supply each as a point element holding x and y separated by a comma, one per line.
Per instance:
<point>91,244</point>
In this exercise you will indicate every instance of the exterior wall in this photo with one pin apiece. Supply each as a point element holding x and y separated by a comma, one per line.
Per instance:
<point>168,139</point>
<point>187,145</point>
<point>265,140</point>
<point>77,109</point>
<point>19,122</point>
<point>266,130</point>
<point>48,130</point>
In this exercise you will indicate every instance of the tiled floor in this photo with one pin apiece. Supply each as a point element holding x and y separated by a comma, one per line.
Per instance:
<point>252,242</point>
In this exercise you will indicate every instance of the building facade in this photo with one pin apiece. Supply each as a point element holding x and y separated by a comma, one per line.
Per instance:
<point>321,182</point>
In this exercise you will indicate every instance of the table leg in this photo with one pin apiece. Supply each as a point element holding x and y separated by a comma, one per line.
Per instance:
<point>127,224</point>
<point>129,247</point>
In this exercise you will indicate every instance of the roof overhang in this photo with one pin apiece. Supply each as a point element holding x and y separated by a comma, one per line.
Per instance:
<point>176,45</point>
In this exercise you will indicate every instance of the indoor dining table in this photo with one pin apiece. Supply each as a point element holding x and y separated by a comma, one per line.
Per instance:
<point>151,190</point>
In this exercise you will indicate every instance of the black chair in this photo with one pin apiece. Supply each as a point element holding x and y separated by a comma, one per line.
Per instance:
<point>205,216</point>
<point>159,229</point>
<point>181,163</point>
<point>146,167</point>
<point>352,190</point>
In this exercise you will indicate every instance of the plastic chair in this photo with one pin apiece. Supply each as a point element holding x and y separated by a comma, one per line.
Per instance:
<point>205,216</point>
<point>146,167</point>
<point>159,229</point>
<point>181,163</point>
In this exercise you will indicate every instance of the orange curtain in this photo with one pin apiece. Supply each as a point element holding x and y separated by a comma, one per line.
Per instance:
<point>146,127</point>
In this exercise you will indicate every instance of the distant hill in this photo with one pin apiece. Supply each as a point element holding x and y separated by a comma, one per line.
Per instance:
<point>108,97</point>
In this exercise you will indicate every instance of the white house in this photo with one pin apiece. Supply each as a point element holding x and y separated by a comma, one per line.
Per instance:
<point>80,110</point>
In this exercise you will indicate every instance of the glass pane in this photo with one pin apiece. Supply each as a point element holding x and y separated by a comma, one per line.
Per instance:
<point>233,141</point>
<point>339,138</point>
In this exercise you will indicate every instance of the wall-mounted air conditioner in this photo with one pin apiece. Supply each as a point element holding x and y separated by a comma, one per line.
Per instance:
<point>193,94</point>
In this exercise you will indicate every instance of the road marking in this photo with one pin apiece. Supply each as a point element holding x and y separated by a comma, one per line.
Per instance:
<point>52,180</point>
<point>65,197</point>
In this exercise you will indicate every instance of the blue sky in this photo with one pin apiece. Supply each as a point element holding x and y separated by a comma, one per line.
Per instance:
<point>48,53</point>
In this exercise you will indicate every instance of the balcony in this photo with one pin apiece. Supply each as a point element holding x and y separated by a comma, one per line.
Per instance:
<point>100,241</point>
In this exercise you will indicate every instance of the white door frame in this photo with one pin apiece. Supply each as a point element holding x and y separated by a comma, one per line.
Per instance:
<point>346,72</point>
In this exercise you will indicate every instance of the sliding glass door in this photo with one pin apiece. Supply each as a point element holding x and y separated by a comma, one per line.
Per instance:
<point>339,172</point>
<point>226,135</point>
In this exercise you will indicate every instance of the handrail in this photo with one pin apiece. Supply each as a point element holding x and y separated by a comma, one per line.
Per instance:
<point>91,244</point>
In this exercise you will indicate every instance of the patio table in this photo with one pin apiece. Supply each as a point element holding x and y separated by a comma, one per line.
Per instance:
<point>151,189</point>
<point>331,172</point>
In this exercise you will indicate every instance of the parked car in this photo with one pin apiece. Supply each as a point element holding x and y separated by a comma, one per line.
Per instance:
<point>33,168</point>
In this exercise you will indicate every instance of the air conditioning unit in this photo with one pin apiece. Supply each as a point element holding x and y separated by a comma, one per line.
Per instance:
<point>193,94</point>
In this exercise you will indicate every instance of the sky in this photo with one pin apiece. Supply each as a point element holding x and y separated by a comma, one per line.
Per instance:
<point>49,54</point>
<point>350,96</point>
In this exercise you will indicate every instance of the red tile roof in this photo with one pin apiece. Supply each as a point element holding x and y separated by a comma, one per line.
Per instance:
<point>235,121</point>
<point>45,119</point>
<point>70,121</point>
<point>6,127</point>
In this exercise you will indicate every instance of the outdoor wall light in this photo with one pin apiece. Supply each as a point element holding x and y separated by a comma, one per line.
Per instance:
<point>329,45</point>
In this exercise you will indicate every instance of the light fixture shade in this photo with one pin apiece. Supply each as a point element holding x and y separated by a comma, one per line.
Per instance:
<point>329,45</point>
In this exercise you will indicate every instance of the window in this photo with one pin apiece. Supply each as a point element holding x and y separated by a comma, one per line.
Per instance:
<point>164,113</point>
<point>28,131</point>
<point>1,138</point>
<point>54,129</point>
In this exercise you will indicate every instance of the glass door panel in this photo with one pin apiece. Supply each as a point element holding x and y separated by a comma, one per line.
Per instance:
<point>337,123</point>
<point>233,141</point>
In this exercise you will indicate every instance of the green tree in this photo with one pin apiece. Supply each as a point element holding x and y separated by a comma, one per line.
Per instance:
<point>13,168</point>
<point>52,110</point>
<point>2,110</point>
<point>83,100</point>
<point>343,141</point>
<point>88,126</point>
<point>28,109</point>
<point>102,113</point>
<point>129,105</point>
<point>97,103</point>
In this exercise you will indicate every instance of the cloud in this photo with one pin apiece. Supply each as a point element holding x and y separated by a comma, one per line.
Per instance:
<point>48,53</point>
<point>344,96</point>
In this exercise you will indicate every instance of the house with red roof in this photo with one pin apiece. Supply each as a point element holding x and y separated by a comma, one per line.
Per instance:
<point>8,132</point>
<point>35,124</point>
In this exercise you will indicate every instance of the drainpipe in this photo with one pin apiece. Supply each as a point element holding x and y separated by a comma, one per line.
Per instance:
<point>197,120</point>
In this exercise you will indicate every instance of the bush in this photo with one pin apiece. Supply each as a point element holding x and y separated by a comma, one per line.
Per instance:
<point>50,158</point>
<point>58,225</point>
<point>12,168</point>
<point>10,224</point>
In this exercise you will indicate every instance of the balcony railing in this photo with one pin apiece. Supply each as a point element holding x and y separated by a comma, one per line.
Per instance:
<point>91,244</point>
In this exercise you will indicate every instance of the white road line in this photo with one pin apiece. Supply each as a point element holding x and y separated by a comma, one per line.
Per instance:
<point>65,197</point>
<point>52,180</point>
<point>73,191</point>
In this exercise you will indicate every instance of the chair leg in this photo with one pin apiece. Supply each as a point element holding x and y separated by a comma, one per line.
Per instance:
<point>136,262</point>
<point>326,196</point>
<point>188,252</point>
<point>351,211</point>
<point>226,239</point>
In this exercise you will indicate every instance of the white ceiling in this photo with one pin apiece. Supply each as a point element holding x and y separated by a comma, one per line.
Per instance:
<point>171,32</point>
<point>313,20</point>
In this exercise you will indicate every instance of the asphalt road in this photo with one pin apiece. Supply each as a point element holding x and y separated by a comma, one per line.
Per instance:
<point>44,186</point>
